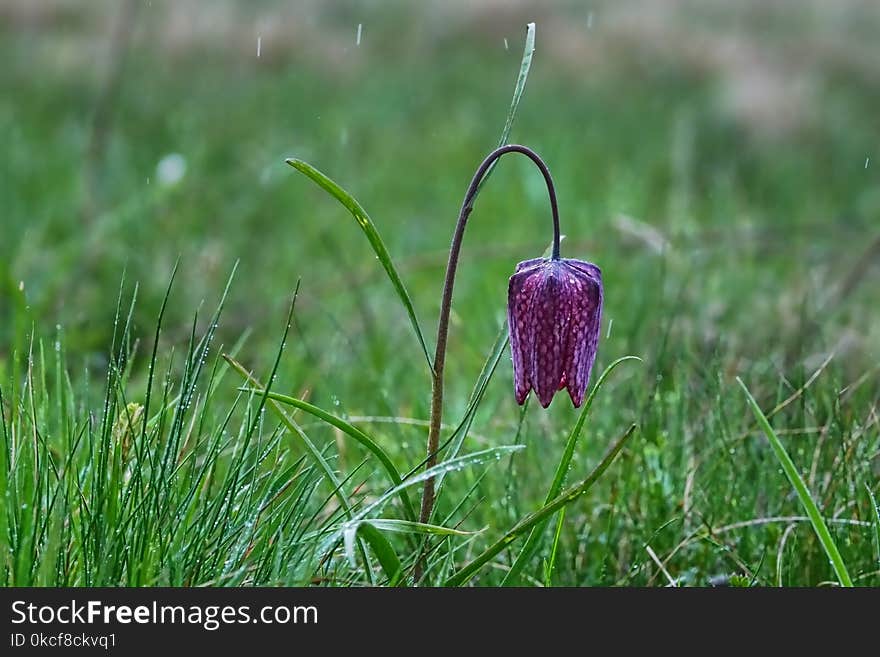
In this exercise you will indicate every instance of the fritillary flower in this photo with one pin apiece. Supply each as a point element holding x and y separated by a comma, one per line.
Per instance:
<point>554,312</point>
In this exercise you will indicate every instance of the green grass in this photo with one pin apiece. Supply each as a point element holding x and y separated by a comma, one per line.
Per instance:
<point>803,494</point>
<point>134,453</point>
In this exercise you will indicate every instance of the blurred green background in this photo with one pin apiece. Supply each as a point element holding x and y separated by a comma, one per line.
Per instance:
<point>718,160</point>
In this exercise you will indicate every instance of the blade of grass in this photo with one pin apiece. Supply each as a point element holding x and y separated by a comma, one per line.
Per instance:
<point>352,431</point>
<point>535,536</point>
<point>370,530</point>
<point>525,65</point>
<point>876,514</point>
<point>519,88</point>
<point>369,228</point>
<point>451,465</point>
<point>408,527</point>
<point>295,429</point>
<point>800,488</point>
<point>541,515</point>
<point>551,561</point>
<point>388,559</point>
<point>311,448</point>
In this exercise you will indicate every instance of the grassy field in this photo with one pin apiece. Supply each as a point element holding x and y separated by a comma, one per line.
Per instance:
<point>719,161</point>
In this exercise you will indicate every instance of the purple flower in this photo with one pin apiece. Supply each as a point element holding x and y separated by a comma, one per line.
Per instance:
<point>554,311</point>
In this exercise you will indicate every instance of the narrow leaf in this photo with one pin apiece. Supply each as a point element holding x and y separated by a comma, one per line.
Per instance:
<point>518,90</point>
<point>295,430</point>
<point>551,562</point>
<point>800,488</point>
<point>388,559</point>
<point>541,515</point>
<point>366,224</point>
<point>353,432</point>
<point>409,527</point>
<point>876,510</point>
<point>534,539</point>
<point>371,531</point>
<point>520,87</point>
<point>452,465</point>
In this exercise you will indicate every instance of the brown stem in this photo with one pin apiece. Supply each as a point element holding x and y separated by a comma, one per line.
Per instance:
<point>446,306</point>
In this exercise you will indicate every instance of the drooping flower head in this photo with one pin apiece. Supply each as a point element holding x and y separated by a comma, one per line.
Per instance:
<point>554,313</point>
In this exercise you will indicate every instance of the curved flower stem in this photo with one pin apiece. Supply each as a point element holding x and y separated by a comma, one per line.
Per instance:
<point>446,304</point>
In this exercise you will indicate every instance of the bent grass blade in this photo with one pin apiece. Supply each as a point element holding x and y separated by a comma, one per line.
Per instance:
<point>351,431</point>
<point>382,548</point>
<point>371,531</point>
<point>451,465</point>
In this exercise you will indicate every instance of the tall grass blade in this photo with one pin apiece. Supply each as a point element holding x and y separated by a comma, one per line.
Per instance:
<point>408,527</point>
<point>524,67</point>
<point>518,89</point>
<point>876,515</point>
<point>554,550</point>
<point>800,488</point>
